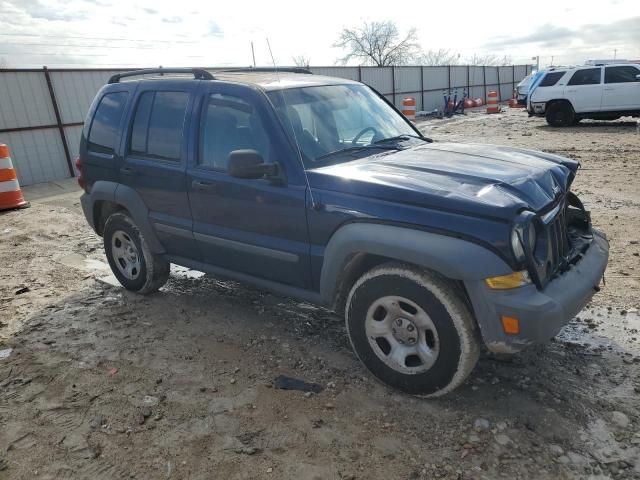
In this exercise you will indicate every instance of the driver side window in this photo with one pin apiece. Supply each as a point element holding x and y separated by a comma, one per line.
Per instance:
<point>230,123</point>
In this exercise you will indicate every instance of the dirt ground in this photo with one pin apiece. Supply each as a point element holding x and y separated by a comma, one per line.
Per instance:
<point>103,384</point>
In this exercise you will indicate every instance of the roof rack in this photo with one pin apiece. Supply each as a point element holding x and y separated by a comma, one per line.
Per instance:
<point>267,69</point>
<point>198,73</point>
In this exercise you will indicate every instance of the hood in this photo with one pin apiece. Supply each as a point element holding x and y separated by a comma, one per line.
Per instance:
<point>477,179</point>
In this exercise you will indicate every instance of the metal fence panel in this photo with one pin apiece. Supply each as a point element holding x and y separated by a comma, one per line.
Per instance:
<point>408,84</point>
<point>73,140</point>
<point>350,73</point>
<point>37,155</point>
<point>379,78</point>
<point>507,83</point>
<point>458,77</point>
<point>24,100</point>
<point>492,75</point>
<point>433,100</point>
<point>436,78</point>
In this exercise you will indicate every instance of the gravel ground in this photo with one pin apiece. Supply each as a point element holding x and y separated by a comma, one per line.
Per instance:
<point>103,384</point>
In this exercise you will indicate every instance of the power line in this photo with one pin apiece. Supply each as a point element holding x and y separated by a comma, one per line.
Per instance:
<point>44,54</point>
<point>111,39</point>
<point>82,46</point>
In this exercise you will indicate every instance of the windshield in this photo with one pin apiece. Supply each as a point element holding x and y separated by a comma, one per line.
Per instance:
<point>332,123</point>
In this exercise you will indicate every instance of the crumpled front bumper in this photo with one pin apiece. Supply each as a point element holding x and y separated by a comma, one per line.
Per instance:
<point>541,313</point>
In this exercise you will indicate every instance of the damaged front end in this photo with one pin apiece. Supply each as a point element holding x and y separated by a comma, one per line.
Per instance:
<point>549,242</point>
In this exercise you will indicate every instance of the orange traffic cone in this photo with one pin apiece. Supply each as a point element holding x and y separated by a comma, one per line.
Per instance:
<point>10,193</point>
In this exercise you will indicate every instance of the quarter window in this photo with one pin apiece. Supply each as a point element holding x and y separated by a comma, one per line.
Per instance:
<point>230,123</point>
<point>588,76</point>
<point>551,78</point>
<point>106,122</point>
<point>158,125</point>
<point>620,74</point>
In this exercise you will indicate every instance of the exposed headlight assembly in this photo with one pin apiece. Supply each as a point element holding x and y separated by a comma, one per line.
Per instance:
<point>524,236</point>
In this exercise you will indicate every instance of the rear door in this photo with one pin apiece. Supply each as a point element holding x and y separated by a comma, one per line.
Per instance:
<point>253,226</point>
<point>584,90</point>
<point>621,88</point>
<point>155,160</point>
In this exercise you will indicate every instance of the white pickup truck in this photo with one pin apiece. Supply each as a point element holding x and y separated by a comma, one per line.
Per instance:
<point>565,96</point>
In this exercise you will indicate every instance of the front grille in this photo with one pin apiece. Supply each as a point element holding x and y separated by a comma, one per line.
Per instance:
<point>558,238</point>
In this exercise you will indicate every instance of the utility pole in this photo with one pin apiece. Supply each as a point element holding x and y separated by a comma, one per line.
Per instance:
<point>537,59</point>
<point>615,52</point>
<point>253,54</point>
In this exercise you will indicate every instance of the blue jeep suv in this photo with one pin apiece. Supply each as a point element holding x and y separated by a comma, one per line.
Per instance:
<point>318,188</point>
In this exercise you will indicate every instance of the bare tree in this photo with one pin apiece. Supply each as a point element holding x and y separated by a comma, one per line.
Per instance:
<point>442,56</point>
<point>301,61</point>
<point>488,59</point>
<point>379,44</point>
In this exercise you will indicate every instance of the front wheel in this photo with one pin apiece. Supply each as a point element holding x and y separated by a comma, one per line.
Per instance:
<point>412,329</point>
<point>135,266</point>
<point>560,114</point>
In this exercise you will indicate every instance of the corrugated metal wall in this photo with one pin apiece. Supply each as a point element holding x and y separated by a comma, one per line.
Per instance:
<point>29,125</point>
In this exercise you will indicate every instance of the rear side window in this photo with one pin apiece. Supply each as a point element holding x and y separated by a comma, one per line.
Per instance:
<point>588,76</point>
<point>551,78</point>
<point>104,128</point>
<point>620,74</point>
<point>158,125</point>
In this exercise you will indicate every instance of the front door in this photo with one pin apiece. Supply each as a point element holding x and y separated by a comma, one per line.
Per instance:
<point>155,160</point>
<point>253,226</point>
<point>621,88</point>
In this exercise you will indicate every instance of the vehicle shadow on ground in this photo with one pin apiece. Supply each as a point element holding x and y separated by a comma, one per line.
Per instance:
<point>587,125</point>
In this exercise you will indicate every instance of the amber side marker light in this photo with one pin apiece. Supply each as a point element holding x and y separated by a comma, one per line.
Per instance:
<point>510,325</point>
<point>511,280</point>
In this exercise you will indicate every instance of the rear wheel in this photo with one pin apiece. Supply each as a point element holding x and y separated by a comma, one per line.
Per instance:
<point>135,266</point>
<point>560,114</point>
<point>412,329</point>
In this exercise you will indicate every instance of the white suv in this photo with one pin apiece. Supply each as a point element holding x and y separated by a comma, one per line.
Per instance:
<point>567,95</point>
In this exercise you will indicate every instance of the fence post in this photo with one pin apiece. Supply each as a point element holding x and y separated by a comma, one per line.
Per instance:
<point>421,87</point>
<point>393,84</point>
<point>469,81</point>
<point>499,85</point>
<point>56,110</point>
<point>513,77</point>
<point>484,82</point>
<point>360,73</point>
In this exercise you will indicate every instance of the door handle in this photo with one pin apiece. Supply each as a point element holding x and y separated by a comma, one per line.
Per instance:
<point>610,88</point>
<point>202,185</point>
<point>128,171</point>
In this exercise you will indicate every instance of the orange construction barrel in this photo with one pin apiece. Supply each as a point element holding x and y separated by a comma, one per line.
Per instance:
<point>409,108</point>
<point>10,193</point>
<point>492,102</point>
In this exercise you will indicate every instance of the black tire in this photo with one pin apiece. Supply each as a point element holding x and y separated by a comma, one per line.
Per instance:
<point>560,114</point>
<point>152,271</point>
<point>456,338</point>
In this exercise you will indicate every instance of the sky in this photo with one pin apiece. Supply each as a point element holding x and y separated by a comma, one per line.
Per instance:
<point>149,33</point>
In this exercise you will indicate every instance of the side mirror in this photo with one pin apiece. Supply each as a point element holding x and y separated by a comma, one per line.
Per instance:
<point>249,164</point>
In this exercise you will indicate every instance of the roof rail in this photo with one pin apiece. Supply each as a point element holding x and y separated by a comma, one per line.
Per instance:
<point>267,69</point>
<point>198,73</point>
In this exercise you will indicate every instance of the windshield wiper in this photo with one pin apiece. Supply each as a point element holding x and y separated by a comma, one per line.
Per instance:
<point>404,136</point>
<point>357,148</point>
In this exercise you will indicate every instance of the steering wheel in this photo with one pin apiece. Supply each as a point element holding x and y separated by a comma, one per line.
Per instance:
<point>362,132</point>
